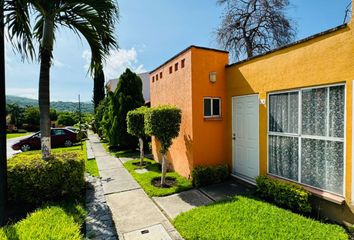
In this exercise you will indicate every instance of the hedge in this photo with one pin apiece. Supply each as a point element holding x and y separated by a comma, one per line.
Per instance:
<point>203,176</point>
<point>33,180</point>
<point>284,194</point>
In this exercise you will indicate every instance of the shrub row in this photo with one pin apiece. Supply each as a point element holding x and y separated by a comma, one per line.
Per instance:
<point>33,180</point>
<point>284,194</point>
<point>203,176</point>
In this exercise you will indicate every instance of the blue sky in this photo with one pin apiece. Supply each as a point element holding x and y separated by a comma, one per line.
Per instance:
<point>149,32</point>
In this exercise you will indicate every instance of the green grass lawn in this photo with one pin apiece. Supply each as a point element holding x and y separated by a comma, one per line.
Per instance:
<point>122,153</point>
<point>153,168</point>
<point>246,218</point>
<point>16,135</point>
<point>48,222</point>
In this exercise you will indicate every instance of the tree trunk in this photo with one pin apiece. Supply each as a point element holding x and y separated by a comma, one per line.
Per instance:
<point>141,145</point>
<point>98,87</point>
<point>164,170</point>
<point>46,49</point>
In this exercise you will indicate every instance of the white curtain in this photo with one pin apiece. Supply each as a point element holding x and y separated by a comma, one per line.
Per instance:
<point>322,160</point>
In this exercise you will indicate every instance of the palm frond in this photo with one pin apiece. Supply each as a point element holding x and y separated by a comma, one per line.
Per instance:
<point>17,20</point>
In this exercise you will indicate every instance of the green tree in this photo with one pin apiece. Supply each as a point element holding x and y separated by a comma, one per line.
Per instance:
<point>98,86</point>
<point>16,113</point>
<point>135,126</point>
<point>90,19</point>
<point>128,96</point>
<point>32,116</point>
<point>68,119</point>
<point>163,122</point>
<point>53,115</point>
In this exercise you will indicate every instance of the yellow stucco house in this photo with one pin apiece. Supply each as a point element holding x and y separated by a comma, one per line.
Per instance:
<point>287,113</point>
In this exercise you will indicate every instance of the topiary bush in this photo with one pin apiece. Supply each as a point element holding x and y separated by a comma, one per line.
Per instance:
<point>136,127</point>
<point>284,194</point>
<point>203,176</point>
<point>33,180</point>
<point>163,122</point>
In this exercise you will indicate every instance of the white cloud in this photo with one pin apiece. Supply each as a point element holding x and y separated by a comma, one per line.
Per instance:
<point>117,62</point>
<point>58,63</point>
<point>23,92</point>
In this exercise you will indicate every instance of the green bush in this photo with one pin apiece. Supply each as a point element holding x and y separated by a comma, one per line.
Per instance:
<point>203,176</point>
<point>33,180</point>
<point>135,122</point>
<point>163,122</point>
<point>283,194</point>
<point>50,222</point>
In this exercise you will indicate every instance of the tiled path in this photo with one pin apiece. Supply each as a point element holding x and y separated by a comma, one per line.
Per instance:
<point>135,215</point>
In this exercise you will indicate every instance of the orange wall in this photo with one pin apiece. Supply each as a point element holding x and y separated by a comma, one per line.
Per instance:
<point>176,89</point>
<point>323,60</point>
<point>209,134</point>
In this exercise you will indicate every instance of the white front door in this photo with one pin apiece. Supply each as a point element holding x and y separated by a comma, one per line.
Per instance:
<point>245,142</point>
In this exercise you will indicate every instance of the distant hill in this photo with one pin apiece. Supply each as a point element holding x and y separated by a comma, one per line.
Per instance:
<point>86,107</point>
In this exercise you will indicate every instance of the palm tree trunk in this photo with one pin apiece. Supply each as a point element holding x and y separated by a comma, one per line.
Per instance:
<point>44,87</point>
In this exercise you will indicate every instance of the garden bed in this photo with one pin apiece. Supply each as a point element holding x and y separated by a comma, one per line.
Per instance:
<point>153,172</point>
<point>247,218</point>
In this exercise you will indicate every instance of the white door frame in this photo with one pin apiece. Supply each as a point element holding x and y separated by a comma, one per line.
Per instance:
<point>233,140</point>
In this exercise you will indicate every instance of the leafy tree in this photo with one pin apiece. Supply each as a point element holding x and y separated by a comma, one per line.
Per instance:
<point>128,96</point>
<point>68,119</point>
<point>98,86</point>
<point>255,26</point>
<point>135,126</point>
<point>53,115</point>
<point>90,19</point>
<point>32,116</point>
<point>163,122</point>
<point>16,113</point>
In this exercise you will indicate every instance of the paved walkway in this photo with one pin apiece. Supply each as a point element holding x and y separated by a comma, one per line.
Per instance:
<point>136,216</point>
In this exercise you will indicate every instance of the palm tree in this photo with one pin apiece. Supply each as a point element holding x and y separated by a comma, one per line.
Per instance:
<point>94,20</point>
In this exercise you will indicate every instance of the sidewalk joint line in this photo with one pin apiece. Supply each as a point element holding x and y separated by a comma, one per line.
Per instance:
<point>129,190</point>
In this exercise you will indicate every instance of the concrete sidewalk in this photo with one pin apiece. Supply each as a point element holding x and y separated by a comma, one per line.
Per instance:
<point>135,215</point>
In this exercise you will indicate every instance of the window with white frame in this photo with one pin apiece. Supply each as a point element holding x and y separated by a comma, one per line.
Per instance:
<point>306,136</point>
<point>212,107</point>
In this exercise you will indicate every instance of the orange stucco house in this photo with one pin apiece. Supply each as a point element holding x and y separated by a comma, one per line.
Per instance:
<point>287,113</point>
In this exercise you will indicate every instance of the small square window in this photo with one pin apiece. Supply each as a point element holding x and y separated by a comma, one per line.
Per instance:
<point>176,67</point>
<point>171,69</point>
<point>157,77</point>
<point>183,63</point>
<point>160,75</point>
<point>212,107</point>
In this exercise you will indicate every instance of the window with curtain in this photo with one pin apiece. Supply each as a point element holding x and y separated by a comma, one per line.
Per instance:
<point>306,137</point>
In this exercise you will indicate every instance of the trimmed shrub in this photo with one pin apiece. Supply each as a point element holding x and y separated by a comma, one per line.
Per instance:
<point>163,122</point>
<point>284,194</point>
<point>135,122</point>
<point>33,180</point>
<point>135,127</point>
<point>203,176</point>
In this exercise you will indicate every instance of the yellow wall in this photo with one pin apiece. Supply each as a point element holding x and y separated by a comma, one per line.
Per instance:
<point>326,59</point>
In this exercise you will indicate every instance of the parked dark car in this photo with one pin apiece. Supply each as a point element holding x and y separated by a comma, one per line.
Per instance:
<point>60,137</point>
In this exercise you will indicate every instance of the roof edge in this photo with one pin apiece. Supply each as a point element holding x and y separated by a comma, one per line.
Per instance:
<point>331,30</point>
<point>186,50</point>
